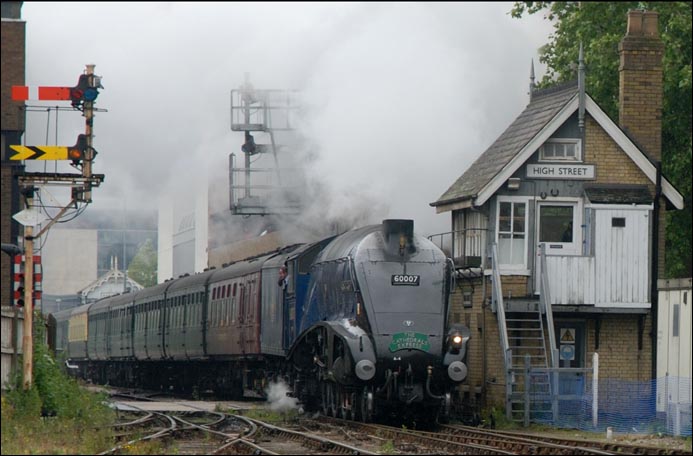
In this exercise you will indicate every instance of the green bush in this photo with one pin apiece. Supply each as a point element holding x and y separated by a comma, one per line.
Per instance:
<point>55,415</point>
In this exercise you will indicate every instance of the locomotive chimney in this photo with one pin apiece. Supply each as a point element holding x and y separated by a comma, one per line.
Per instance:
<point>399,236</point>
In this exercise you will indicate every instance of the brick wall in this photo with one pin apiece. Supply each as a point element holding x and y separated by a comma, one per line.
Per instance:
<point>5,232</point>
<point>12,43</point>
<point>13,57</point>
<point>484,342</point>
<point>624,370</point>
<point>619,356</point>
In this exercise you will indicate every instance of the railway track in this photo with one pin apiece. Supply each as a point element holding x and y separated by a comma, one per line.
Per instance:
<point>612,446</point>
<point>200,431</point>
<point>193,430</point>
<point>473,440</point>
<point>190,432</point>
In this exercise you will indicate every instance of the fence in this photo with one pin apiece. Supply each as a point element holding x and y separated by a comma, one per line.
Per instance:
<point>12,334</point>
<point>625,406</point>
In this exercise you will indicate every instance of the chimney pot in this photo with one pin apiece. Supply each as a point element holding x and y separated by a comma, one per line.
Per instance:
<point>634,22</point>
<point>649,24</point>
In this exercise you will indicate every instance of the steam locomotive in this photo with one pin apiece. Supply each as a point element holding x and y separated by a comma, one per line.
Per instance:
<point>356,324</point>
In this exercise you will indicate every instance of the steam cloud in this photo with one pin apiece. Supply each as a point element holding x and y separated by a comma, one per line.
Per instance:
<point>401,98</point>
<point>277,398</point>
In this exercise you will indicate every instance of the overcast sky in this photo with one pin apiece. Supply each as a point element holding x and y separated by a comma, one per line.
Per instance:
<point>403,96</point>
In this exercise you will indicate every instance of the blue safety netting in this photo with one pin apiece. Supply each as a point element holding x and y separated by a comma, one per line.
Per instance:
<point>661,406</point>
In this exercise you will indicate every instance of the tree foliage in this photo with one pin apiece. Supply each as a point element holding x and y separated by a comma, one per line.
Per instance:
<point>143,266</point>
<point>600,26</point>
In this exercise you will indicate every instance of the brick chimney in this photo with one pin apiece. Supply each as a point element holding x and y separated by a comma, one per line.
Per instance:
<point>641,90</point>
<point>641,81</point>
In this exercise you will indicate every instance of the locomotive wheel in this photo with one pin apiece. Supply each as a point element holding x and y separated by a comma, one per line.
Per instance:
<point>344,408</point>
<point>351,411</point>
<point>329,400</point>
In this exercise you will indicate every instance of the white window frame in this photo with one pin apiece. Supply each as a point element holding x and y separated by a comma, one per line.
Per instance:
<point>570,249</point>
<point>563,141</point>
<point>523,268</point>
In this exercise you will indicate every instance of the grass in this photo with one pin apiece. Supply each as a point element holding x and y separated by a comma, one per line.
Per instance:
<point>56,415</point>
<point>387,447</point>
<point>270,416</point>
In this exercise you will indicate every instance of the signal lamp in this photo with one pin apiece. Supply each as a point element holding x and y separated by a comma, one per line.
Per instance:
<point>90,94</point>
<point>83,91</point>
<point>76,152</point>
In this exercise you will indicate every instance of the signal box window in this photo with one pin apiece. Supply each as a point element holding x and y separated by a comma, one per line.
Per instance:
<point>560,150</point>
<point>512,228</point>
<point>556,224</point>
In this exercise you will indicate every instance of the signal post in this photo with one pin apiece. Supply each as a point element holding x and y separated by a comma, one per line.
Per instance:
<point>81,155</point>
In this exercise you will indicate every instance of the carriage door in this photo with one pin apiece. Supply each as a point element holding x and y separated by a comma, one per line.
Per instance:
<point>557,226</point>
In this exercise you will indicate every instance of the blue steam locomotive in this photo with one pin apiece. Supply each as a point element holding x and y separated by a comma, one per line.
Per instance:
<point>356,324</point>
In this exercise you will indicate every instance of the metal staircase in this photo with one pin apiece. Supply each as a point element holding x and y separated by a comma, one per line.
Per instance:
<point>523,340</point>
<point>526,337</point>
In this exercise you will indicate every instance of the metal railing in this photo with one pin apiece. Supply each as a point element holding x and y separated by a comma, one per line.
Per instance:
<point>498,307</point>
<point>545,303</point>
<point>527,370</point>
<point>466,247</point>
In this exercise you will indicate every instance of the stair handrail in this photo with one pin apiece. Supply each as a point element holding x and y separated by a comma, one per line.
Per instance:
<point>497,300</point>
<point>545,302</point>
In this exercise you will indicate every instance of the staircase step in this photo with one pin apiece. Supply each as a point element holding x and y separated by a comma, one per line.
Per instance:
<point>531,356</point>
<point>528,347</point>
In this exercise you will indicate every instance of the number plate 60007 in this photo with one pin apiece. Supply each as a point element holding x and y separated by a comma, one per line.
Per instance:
<point>404,279</point>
